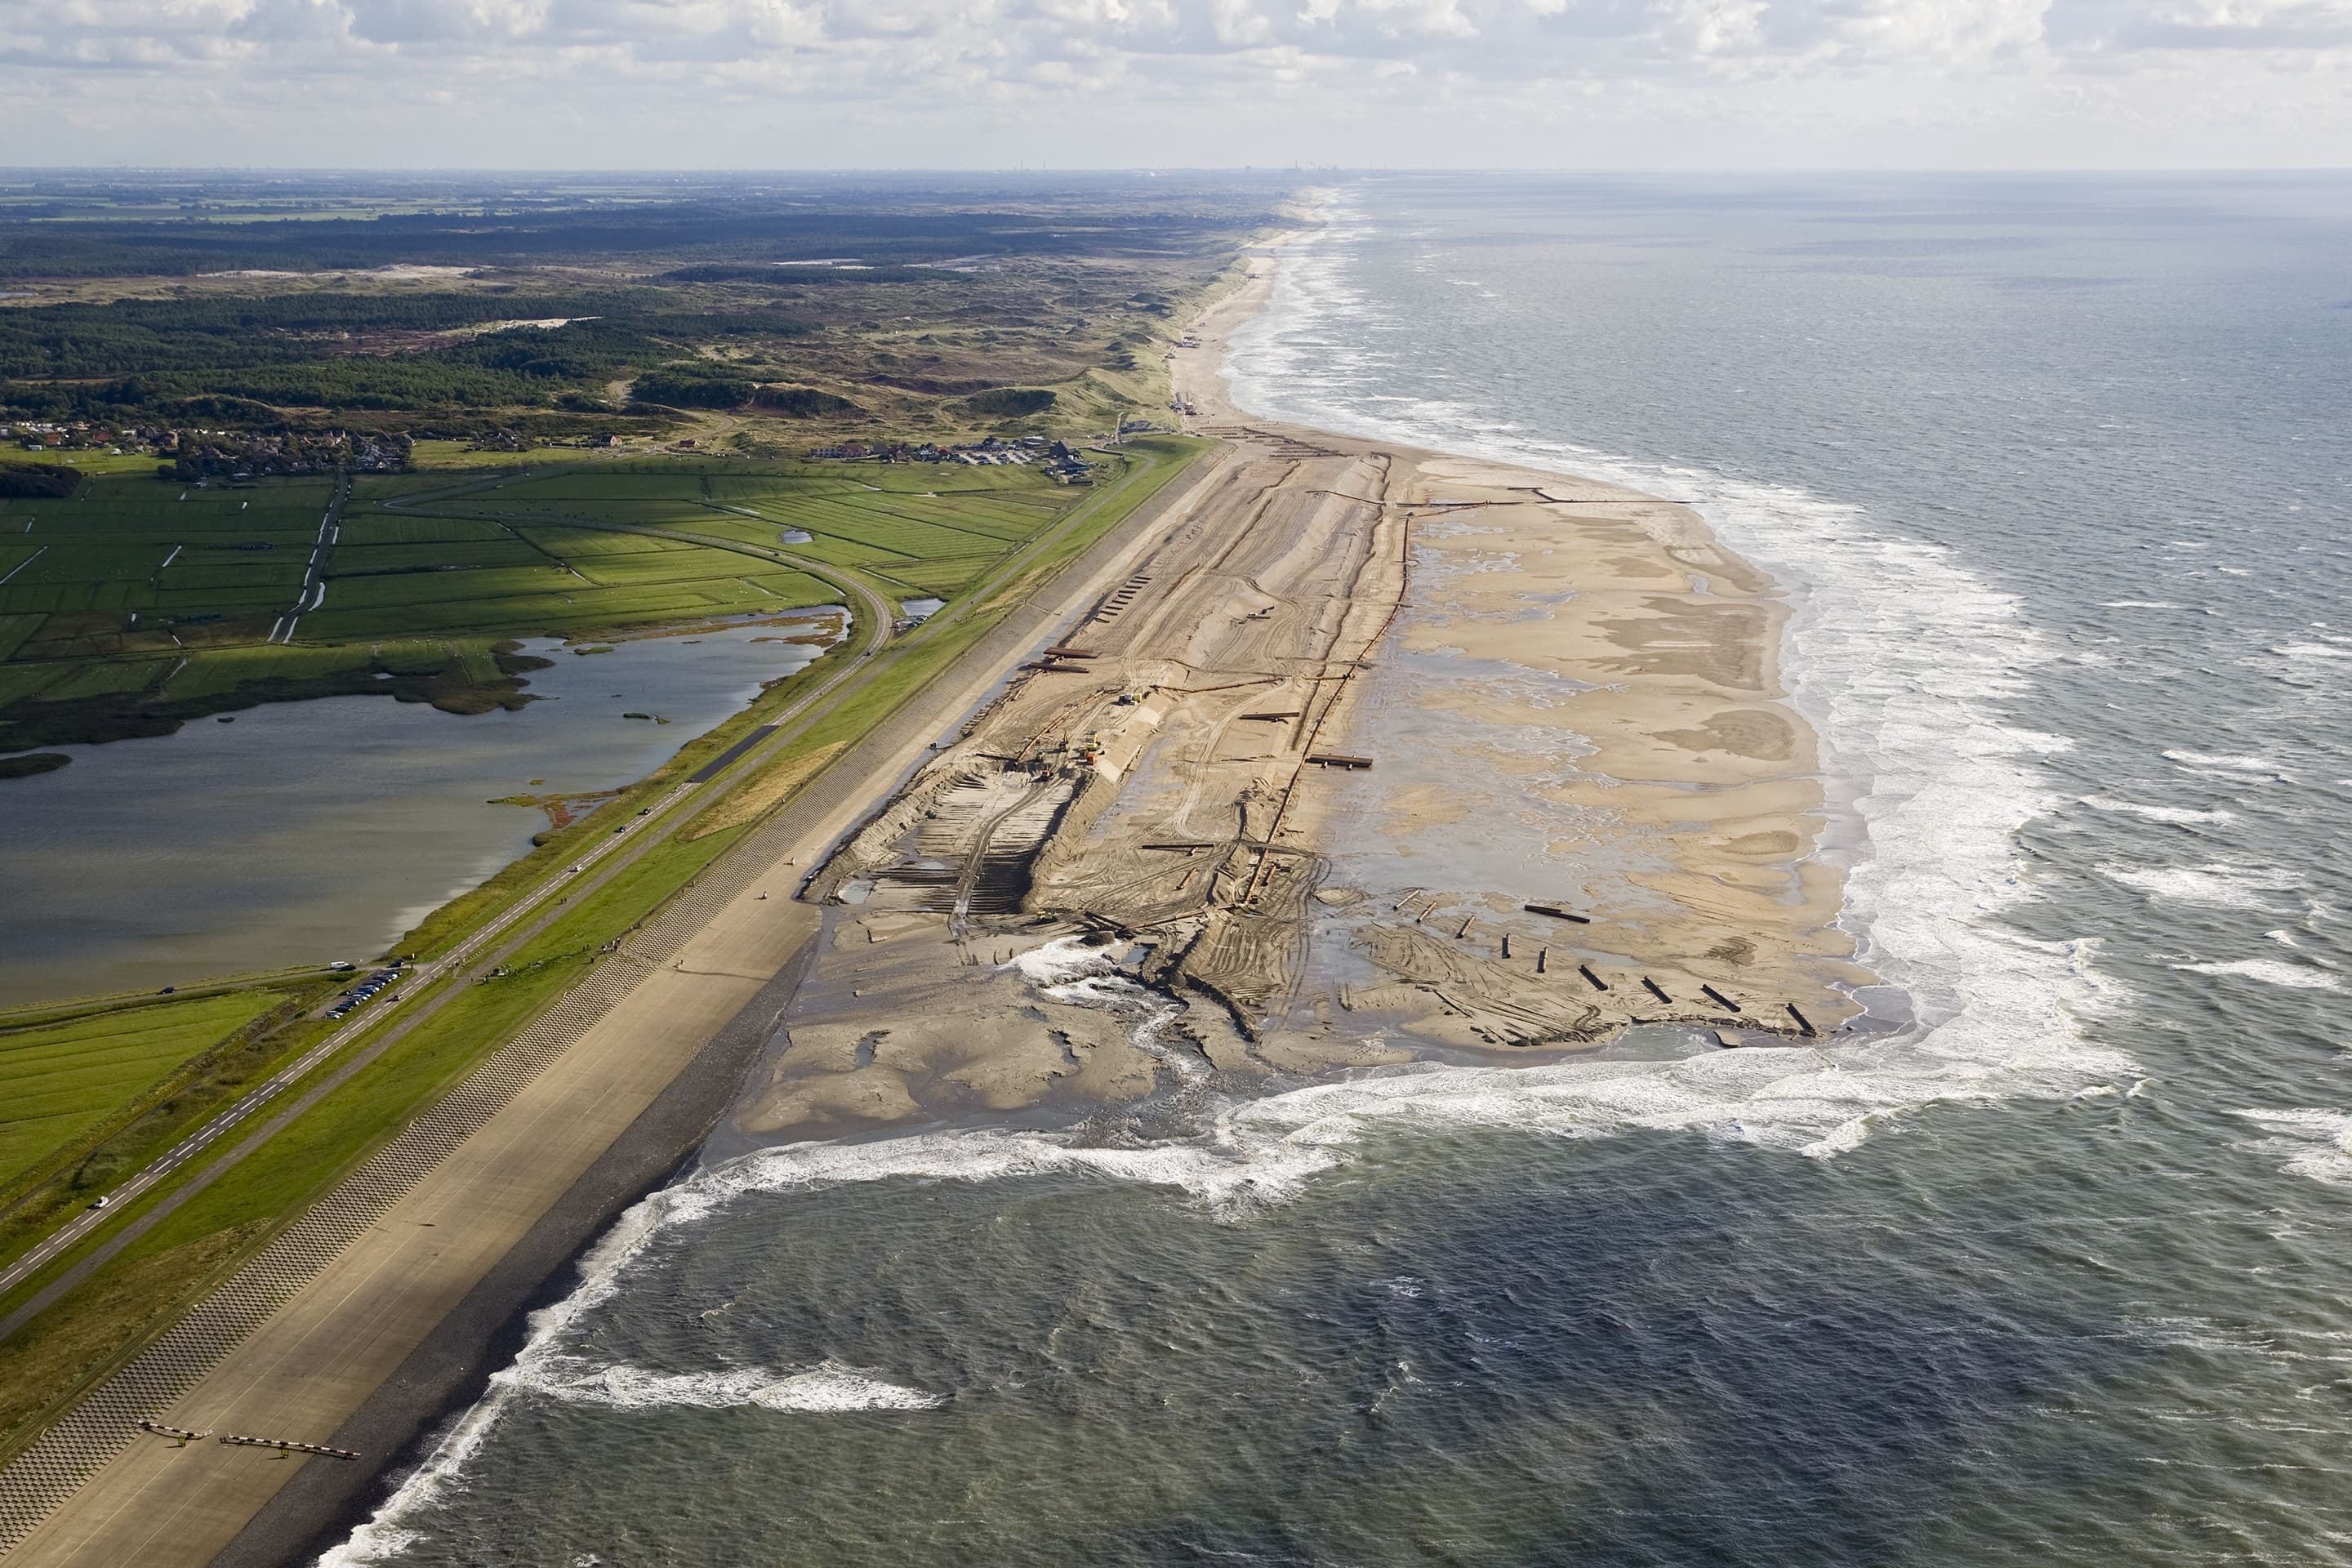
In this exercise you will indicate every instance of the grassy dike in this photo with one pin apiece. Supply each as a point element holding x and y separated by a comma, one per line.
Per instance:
<point>126,1304</point>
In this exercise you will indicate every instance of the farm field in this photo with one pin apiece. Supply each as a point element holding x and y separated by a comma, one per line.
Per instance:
<point>150,602</point>
<point>59,1080</point>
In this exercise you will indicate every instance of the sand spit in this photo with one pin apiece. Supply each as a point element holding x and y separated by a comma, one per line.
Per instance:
<point>1378,754</point>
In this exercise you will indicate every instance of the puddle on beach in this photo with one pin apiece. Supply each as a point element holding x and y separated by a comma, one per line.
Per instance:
<point>309,831</point>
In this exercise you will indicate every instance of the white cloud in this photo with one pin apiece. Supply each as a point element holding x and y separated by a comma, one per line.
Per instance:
<point>961,81</point>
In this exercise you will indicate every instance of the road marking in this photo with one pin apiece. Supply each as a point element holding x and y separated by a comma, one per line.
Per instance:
<point>27,561</point>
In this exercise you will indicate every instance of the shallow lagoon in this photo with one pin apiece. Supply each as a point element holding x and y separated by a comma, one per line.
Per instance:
<point>310,831</point>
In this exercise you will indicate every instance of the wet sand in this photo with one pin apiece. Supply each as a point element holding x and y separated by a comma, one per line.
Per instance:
<point>1155,858</point>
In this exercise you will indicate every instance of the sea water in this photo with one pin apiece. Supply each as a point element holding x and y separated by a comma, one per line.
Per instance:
<point>2056,473</point>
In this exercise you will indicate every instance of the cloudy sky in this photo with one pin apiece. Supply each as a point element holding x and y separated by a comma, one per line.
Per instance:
<point>785,84</point>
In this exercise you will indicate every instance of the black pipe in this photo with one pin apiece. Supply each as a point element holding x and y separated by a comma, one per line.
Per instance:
<point>1720,999</point>
<point>1598,984</point>
<point>1657,990</point>
<point>1802,1022</point>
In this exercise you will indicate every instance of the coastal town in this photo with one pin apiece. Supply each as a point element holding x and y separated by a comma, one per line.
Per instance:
<point>185,454</point>
<point>1058,459</point>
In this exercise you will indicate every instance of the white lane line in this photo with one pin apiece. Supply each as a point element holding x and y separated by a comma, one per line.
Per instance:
<point>27,561</point>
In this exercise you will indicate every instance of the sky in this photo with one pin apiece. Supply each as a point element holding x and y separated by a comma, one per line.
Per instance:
<point>941,84</point>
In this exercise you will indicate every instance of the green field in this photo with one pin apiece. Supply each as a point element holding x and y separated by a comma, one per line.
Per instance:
<point>139,603</point>
<point>59,1081</point>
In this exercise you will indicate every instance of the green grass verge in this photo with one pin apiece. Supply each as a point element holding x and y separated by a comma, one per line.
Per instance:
<point>92,1154</point>
<point>57,1082</point>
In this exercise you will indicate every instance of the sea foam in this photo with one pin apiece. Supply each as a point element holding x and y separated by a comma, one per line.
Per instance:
<point>547,1367</point>
<point>2314,1144</point>
<point>2214,887</point>
<point>824,1389</point>
<point>2175,815</point>
<point>2270,971</point>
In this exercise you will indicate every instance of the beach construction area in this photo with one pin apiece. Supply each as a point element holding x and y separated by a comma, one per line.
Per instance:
<point>1215,795</point>
<point>1335,755</point>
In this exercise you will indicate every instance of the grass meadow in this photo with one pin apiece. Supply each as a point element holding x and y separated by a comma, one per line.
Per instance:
<point>140,591</point>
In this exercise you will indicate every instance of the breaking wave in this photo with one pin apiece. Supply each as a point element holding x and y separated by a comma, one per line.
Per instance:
<point>548,1368</point>
<point>824,1389</point>
<point>2215,887</point>
<point>2270,972</point>
<point>2314,1144</point>
<point>2173,815</point>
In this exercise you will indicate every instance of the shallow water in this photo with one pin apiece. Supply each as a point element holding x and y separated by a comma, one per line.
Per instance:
<point>306,832</point>
<point>2056,473</point>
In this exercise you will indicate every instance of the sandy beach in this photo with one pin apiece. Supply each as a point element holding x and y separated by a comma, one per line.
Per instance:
<point>1382,755</point>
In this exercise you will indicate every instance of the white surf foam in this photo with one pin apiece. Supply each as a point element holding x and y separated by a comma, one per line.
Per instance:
<point>2213,887</point>
<point>1251,1154</point>
<point>1072,971</point>
<point>391,1530</point>
<point>2227,763</point>
<point>2314,1144</point>
<point>546,1366</point>
<point>2270,972</point>
<point>2179,815</point>
<point>827,1388</point>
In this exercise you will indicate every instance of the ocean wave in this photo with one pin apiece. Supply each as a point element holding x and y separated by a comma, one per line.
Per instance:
<point>546,1367</point>
<point>1244,1155</point>
<point>2314,1144</point>
<point>2270,972</point>
<point>2214,887</point>
<point>392,1528</point>
<point>827,1388</point>
<point>2179,815</point>
<point>2227,763</point>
